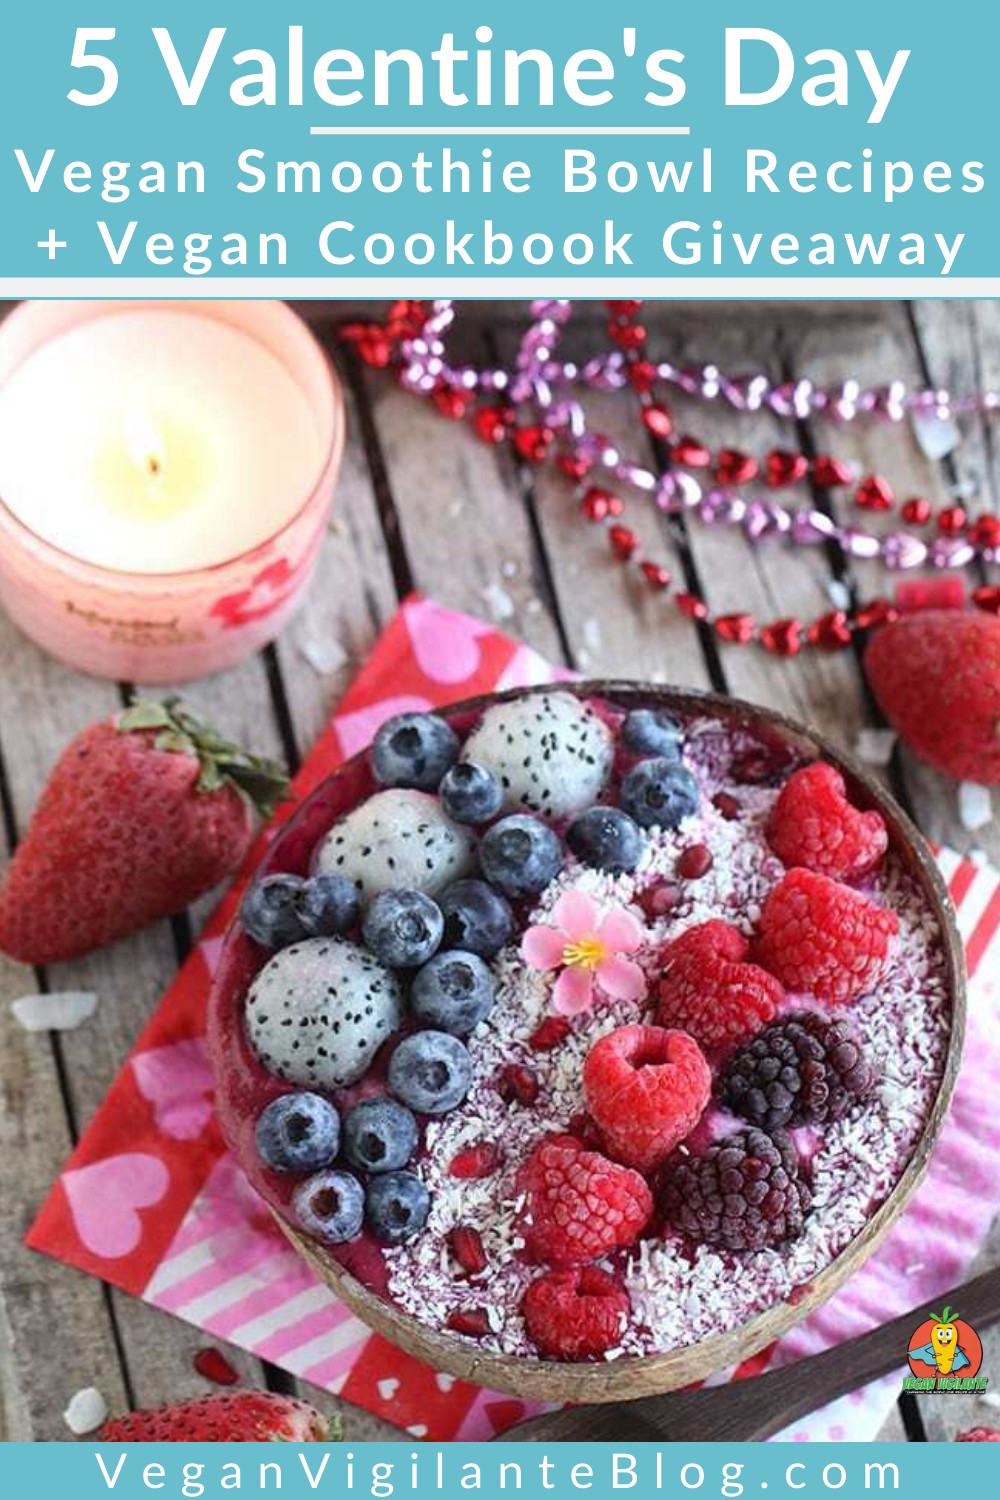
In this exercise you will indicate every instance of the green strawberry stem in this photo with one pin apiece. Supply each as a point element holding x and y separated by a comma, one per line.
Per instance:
<point>222,763</point>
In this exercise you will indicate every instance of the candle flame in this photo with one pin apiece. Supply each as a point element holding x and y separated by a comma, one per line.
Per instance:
<point>144,443</point>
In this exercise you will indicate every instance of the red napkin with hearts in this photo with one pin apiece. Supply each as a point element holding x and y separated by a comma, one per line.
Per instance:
<point>152,1202</point>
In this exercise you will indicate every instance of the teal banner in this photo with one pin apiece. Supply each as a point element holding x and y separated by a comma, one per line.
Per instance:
<point>730,1471</point>
<point>487,147</point>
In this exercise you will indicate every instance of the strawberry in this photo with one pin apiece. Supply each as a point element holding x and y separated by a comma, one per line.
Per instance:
<point>238,1417</point>
<point>142,814</point>
<point>936,676</point>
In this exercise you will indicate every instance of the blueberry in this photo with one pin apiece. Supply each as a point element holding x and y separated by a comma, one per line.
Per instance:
<point>659,793</point>
<point>298,1133</point>
<point>476,918</point>
<point>270,911</point>
<point>431,1072</point>
<point>454,992</point>
<point>403,928</point>
<point>328,905</point>
<point>379,1136</point>
<point>471,793</point>
<point>330,1205</point>
<point>414,750</point>
<point>521,855</point>
<point>396,1207</point>
<point>652,731</point>
<point>606,839</point>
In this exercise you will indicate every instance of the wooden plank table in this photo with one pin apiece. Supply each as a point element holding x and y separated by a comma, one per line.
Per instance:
<point>422,504</point>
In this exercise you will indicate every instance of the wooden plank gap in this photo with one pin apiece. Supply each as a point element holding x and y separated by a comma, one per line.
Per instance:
<point>913,1422</point>
<point>282,711</point>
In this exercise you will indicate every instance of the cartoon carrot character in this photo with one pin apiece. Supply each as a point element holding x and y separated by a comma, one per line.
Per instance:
<point>944,1341</point>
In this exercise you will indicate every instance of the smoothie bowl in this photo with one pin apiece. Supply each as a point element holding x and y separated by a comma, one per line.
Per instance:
<point>584,1039</point>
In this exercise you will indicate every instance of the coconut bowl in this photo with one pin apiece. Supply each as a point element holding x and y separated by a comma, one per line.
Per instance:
<point>240,1078</point>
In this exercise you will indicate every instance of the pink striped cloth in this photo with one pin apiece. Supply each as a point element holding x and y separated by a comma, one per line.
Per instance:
<point>152,1202</point>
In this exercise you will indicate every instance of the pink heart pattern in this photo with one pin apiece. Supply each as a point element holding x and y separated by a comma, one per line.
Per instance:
<point>356,730</point>
<point>177,1082</point>
<point>105,1198</point>
<point>445,645</point>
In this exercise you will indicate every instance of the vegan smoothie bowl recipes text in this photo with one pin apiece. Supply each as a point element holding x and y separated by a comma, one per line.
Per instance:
<point>584,1039</point>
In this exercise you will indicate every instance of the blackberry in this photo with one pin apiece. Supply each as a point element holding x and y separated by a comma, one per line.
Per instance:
<point>745,1193</point>
<point>805,1069</point>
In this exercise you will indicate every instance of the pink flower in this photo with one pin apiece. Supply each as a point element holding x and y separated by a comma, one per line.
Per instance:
<point>586,946</point>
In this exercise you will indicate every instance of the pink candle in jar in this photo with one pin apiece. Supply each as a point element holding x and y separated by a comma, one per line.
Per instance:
<point>166,472</point>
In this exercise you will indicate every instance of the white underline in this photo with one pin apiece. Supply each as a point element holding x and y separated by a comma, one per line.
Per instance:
<point>457,130</point>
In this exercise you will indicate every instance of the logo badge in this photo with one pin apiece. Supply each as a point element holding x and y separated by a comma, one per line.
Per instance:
<point>945,1354</point>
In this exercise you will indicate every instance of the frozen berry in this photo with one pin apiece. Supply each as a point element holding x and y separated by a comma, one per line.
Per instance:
<point>328,905</point>
<point>646,1089</point>
<point>298,1133</point>
<point>331,1206</point>
<point>979,1435</point>
<point>414,750</point>
<point>270,911</point>
<point>653,731</point>
<point>453,992</point>
<point>466,1245</point>
<point>745,1193</point>
<point>708,989</point>
<point>606,839</point>
<point>431,1072</point>
<point>659,793</point>
<point>813,824</point>
<point>803,1069</point>
<point>380,1135</point>
<point>471,793</point>
<point>578,1205</point>
<point>521,855</point>
<point>476,918</point>
<point>396,1206</point>
<point>824,939</point>
<point>403,928</point>
<point>575,1314</point>
<point>551,752</point>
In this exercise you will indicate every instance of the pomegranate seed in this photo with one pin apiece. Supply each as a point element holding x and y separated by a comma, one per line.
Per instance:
<point>518,1084</point>
<point>624,542</point>
<point>213,1365</point>
<point>726,805</point>
<point>659,900</point>
<point>552,1032</point>
<point>916,512</point>
<point>475,1162</point>
<point>694,862</point>
<point>466,1246</point>
<point>472,1321</point>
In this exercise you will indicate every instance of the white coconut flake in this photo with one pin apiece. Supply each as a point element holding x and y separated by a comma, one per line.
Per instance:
<point>60,1011</point>
<point>975,805</point>
<point>324,654</point>
<point>86,1411</point>
<point>875,746</point>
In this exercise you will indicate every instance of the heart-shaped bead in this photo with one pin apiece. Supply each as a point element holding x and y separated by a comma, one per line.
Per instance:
<point>624,307</point>
<point>688,452</point>
<point>532,443</point>
<point>656,575</point>
<point>916,512</point>
<point>657,421</point>
<point>831,632</point>
<point>451,403</point>
<point>952,520</point>
<point>985,532</point>
<point>782,637</point>
<point>642,376</point>
<point>875,613</point>
<point>628,336</point>
<point>574,466</point>
<point>737,629</point>
<point>624,542</point>
<point>692,606</point>
<point>600,505</point>
<point>987,598</point>
<point>830,473</point>
<point>492,423</point>
<point>371,343</point>
<point>782,467</point>
<point>734,467</point>
<point>874,493</point>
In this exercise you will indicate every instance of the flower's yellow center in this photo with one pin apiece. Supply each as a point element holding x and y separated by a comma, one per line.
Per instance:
<point>584,953</point>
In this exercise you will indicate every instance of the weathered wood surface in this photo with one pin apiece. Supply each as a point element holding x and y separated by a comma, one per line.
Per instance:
<point>421,504</point>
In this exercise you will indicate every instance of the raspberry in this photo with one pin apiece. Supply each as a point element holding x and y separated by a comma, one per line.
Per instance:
<point>745,1193</point>
<point>708,990</point>
<point>801,1070</point>
<point>824,939</point>
<point>466,1245</point>
<point>646,1089</point>
<point>474,1162</point>
<point>575,1314</point>
<point>578,1205</point>
<point>979,1435</point>
<point>813,824</point>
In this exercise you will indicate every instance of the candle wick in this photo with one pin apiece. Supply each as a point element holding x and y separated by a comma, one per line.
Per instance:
<point>153,466</point>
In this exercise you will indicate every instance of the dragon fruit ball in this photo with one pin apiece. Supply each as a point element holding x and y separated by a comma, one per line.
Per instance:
<point>398,840</point>
<point>551,752</point>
